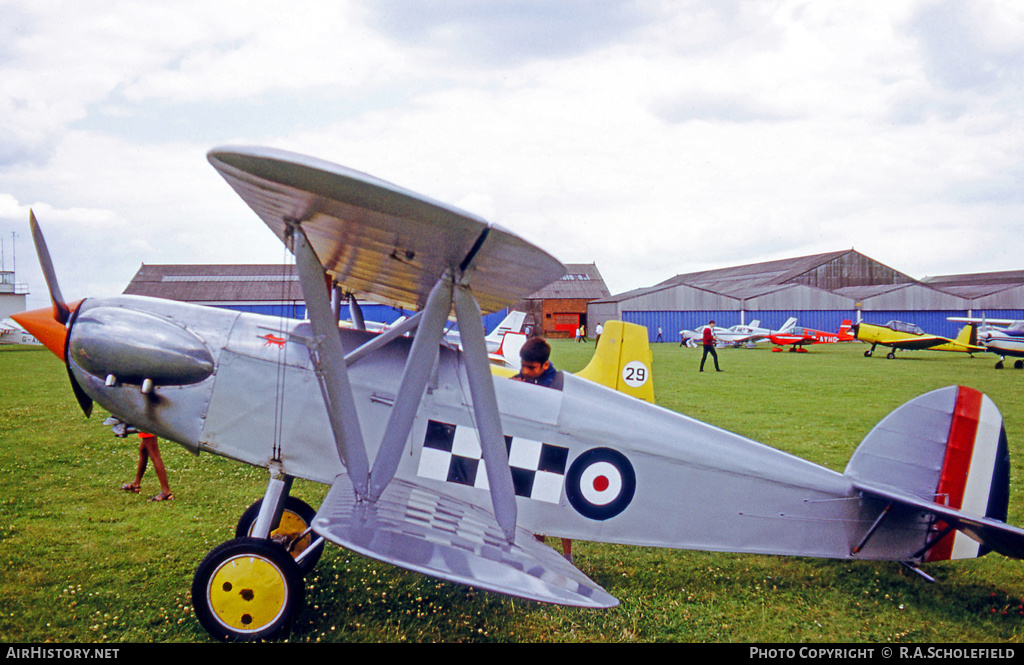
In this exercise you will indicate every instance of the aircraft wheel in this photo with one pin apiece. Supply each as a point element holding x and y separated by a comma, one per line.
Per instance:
<point>295,519</point>
<point>999,365</point>
<point>1018,364</point>
<point>867,354</point>
<point>890,355</point>
<point>247,589</point>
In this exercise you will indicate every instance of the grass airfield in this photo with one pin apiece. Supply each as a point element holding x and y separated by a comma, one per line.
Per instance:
<point>87,562</point>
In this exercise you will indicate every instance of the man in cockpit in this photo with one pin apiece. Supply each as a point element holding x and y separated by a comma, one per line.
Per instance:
<point>535,365</point>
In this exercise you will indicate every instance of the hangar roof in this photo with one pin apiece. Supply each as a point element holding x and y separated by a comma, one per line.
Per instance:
<point>272,283</point>
<point>582,281</point>
<point>977,285</point>
<point>846,274</point>
<point>199,283</point>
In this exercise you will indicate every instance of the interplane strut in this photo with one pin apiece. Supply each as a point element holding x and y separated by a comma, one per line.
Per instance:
<point>341,409</point>
<point>429,324</point>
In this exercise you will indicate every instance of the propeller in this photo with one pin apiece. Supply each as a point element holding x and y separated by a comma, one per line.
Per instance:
<point>51,326</point>
<point>61,312</point>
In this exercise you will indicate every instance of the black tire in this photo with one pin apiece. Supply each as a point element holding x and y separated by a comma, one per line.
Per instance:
<point>295,518</point>
<point>247,589</point>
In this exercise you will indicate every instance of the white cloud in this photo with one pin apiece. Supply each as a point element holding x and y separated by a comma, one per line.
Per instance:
<point>653,138</point>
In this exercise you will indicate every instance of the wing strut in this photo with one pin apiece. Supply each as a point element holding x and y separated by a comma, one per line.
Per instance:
<point>329,359</point>
<point>356,312</point>
<point>383,339</point>
<point>485,410</point>
<point>331,364</point>
<point>414,381</point>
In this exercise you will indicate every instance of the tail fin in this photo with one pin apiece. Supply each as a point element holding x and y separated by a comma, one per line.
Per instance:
<point>511,323</point>
<point>945,452</point>
<point>508,353</point>
<point>788,325</point>
<point>968,334</point>
<point>845,327</point>
<point>622,360</point>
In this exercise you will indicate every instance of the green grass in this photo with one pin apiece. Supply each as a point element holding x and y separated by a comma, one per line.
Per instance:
<point>85,561</point>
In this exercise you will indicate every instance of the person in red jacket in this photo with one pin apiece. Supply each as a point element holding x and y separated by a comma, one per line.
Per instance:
<point>709,346</point>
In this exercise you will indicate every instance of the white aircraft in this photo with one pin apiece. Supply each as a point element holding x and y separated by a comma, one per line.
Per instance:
<point>438,463</point>
<point>736,335</point>
<point>513,323</point>
<point>1002,336</point>
<point>503,342</point>
<point>12,333</point>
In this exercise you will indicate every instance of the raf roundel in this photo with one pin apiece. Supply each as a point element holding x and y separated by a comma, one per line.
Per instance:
<point>600,483</point>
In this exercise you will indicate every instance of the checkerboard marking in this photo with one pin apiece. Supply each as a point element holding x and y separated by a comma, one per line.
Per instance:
<point>452,454</point>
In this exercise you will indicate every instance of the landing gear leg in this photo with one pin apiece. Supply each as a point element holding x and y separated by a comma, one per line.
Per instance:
<point>867,354</point>
<point>251,588</point>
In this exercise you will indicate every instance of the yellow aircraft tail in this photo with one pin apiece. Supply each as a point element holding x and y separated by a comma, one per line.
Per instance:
<point>622,360</point>
<point>968,335</point>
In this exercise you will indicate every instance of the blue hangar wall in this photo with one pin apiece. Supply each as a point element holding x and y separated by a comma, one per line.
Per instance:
<point>378,313</point>
<point>671,322</point>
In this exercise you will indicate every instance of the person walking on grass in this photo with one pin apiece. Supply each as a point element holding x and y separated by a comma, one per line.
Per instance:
<point>709,345</point>
<point>148,449</point>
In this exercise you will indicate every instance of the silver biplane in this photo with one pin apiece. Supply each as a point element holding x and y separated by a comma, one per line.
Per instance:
<point>439,464</point>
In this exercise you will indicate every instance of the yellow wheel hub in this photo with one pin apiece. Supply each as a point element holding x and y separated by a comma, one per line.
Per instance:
<point>291,526</point>
<point>247,592</point>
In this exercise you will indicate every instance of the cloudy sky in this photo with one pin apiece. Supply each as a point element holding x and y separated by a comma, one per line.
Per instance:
<point>651,137</point>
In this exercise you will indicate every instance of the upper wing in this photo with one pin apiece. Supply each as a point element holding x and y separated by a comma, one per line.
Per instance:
<point>382,240</point>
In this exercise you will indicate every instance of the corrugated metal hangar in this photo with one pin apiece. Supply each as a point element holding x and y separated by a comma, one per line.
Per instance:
<point>820,290</point>
<point>272,289</point>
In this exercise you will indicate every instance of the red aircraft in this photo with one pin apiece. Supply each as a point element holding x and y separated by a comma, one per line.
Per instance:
<point>797,338</point>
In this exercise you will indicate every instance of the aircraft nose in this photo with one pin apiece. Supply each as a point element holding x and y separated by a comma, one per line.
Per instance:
<point>41,324</point>
<point>121,345</point>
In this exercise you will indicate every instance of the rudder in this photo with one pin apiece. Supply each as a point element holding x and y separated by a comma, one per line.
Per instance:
<point>622,360</point>
<point>948,447</point>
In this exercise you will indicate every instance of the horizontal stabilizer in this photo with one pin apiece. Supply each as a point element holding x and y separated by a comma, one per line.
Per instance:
<point>425,531</point>
<point>993,534</point>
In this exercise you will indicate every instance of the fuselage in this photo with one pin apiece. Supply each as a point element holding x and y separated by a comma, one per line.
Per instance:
<point>1003,343</point>
<point>587,462</point>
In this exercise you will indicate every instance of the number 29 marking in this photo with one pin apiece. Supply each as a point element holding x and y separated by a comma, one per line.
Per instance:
<point>635,373</point>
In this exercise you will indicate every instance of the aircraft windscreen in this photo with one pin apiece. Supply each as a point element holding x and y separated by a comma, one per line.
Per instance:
<point>900,326</point>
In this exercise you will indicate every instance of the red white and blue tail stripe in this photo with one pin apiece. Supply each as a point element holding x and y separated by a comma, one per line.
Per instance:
<point>975,471</point>
<point>944,454</point>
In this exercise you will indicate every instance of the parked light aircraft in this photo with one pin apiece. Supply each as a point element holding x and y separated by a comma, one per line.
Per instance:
<point>503,342</point>
<point>900,335</point>
<point>1002,336</point>
<point>12,333</point>
<point>441,465</point>
<point>512,323</point>
<point>798,337</point>
<point>736,335</point>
